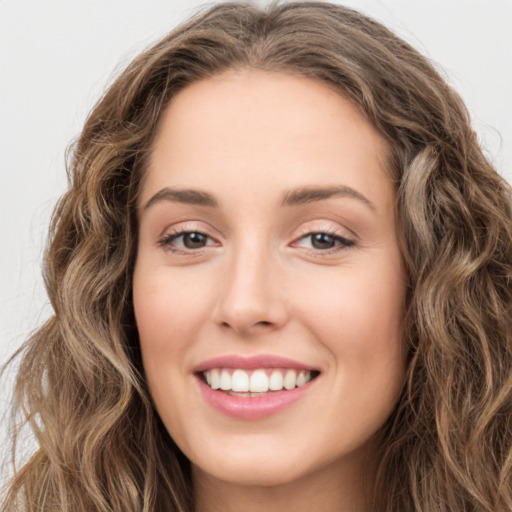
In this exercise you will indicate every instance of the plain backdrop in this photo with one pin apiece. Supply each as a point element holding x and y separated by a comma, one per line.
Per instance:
<point>56,58</point>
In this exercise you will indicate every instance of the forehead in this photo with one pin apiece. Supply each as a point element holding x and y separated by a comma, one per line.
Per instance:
<point>260,127</point>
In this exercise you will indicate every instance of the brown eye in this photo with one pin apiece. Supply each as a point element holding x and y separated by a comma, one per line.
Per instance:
<point>194,240</point>
<point>323,240</point>
<point>186,241</point>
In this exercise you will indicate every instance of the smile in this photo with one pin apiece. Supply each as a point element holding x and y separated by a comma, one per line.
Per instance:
<point>254,382</point>
<point>251,388</point>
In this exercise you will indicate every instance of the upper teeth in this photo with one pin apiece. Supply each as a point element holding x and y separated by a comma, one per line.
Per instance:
<point>256,381</point>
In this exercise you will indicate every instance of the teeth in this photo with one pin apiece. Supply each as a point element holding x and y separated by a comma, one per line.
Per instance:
<point>225,380</point>
<point>301,379</point>
<point>239,381</point>
<point>256,381</point>
<point>275,381</point>
<point>215,379</point>
<point>290,379</point>
<point>259,382</point>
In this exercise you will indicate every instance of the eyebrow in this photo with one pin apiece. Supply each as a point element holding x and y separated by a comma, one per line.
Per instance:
<point>185,196</point>
<point>311,194</point>
<point>294,197</point>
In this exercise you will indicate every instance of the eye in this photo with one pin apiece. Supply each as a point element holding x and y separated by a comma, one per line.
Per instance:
<point>323,241</point>
<point>186,241</point>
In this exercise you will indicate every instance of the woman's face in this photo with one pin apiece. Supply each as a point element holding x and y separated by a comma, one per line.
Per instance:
<point>268,265</point>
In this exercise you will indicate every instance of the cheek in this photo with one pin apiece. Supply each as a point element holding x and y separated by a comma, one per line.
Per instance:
<point>357,315</point>
<point>166,309</point>
<point>166,314</point>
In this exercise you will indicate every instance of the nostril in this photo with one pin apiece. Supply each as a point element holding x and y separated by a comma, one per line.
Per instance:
<point>263,323</point>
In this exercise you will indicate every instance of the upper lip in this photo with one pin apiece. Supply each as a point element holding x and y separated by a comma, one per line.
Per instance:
<point>252,363</point>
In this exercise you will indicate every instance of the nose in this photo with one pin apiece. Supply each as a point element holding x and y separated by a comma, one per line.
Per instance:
<point>251,299</point>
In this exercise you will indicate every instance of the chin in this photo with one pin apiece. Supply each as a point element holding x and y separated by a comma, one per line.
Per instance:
<point>251,460</point>
<point>245,472</point>
<point>271,461</point>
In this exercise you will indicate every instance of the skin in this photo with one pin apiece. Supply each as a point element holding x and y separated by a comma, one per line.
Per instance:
<point>260,285</point>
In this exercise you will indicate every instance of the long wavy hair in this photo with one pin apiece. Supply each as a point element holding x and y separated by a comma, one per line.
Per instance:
<point>80,387</point>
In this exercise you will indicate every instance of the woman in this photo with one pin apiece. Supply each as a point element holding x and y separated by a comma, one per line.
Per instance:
<point>281,280</point>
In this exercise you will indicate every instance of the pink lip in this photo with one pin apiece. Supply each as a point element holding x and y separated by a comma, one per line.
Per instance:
<point>251,408</point>
<point>254,408</point>
<point>251,363</point>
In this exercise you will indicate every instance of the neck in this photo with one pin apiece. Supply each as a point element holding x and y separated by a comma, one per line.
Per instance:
<point>335,488</point>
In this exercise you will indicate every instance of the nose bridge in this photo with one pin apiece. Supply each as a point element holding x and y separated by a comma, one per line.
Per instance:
<point>249,296</point>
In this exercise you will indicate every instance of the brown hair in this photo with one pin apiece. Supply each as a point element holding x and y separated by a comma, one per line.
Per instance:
<point>448,444</point>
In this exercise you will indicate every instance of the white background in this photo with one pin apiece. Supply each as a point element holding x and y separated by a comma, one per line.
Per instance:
<point>56,58</point>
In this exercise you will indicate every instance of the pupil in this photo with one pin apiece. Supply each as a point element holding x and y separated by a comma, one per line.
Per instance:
<point>322,241</point>
<point>194,240</point>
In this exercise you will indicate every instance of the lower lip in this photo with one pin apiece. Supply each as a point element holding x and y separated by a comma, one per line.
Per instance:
<point>252,408</point>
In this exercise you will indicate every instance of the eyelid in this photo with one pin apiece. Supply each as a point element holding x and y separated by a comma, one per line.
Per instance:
<point>306,230</point>
<point>182,232</point>
<point>312,228</point>
<point>189,226</point>
<point>325,226</point>
<point>345,241</point>
<point>183,228</point>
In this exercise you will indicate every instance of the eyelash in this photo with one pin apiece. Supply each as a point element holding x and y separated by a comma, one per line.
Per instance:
<point>342,243</point>
<point>166,241</point>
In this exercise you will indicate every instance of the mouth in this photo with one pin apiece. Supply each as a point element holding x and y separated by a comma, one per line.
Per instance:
<point>256,382</point>
<point>252,388</point>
